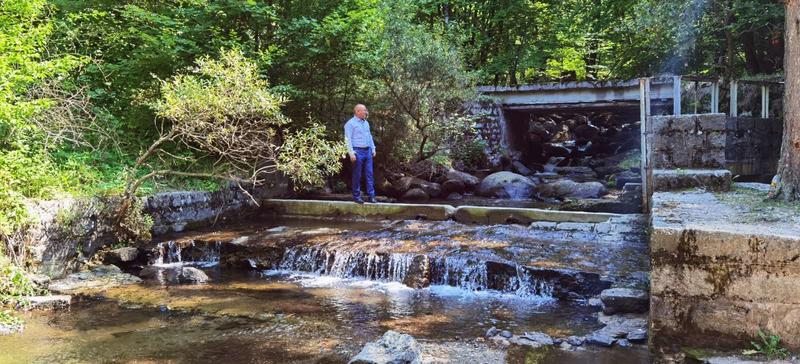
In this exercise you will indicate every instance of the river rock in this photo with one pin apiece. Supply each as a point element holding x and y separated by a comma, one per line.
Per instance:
<point>575,340</point>
<point>192,275</point>
<point>149,272</point>
<point>121,255</point>
<point>470,181</point>
<point>623,343</point>
<point>599,338</point>
<point>415,194</point>
<point>453,185</point>
<point>521,168</point>
<point>54,302</point>
<point>535,339</point>
<point>392,348</point>
<point>506,185</point>
<point>405,184</point>
<point>570,189</point>
<point>455,197</point>
<point>624,300</point>
<point>100,277</point>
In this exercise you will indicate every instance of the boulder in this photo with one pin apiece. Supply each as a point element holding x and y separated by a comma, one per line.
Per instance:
<point>192,275</point>
<point>455,197</point>
<point>521,168</point>
<point>405,184</point>
<point>470,181</point>
<point>599,338</point>
<point>121,255</point>
<point>99,278</point>
<point>506,185</point>
<point>570,189</point>
<point>624,300</point>
<point>415,194</point>
<point>391,348</point>
<point>453,185</point>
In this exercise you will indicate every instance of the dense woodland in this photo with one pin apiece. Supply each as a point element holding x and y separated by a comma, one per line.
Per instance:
<point>88,86</point>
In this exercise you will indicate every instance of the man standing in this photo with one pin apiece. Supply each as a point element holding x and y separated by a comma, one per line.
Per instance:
<point>361,149</point>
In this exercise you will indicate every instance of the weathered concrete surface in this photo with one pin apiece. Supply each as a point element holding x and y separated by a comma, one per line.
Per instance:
<point>399,211</point>
<point>723,268</point>
<point>680,179</point>
<point>689,141</point>
<point>333,209</point>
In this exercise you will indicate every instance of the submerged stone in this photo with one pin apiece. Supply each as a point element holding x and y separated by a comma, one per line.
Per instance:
<point>192,275</point>
<point>624,300</point>
<point>392,348</point>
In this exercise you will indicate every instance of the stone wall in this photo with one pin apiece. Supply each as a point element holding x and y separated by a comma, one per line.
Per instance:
<point>69,231</point>
<point>490,126</point>
<point>753,146</point>
<point>689,141</point>
<point>716,281</point>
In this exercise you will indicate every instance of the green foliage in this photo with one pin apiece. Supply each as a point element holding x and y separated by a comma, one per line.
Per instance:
<point>632,160</point>
<point>470,151</point>
<point>226,108</point>
<point>8,319</point>
<point>425,83</point>
<point>307,157</point>
<point>15,285</point>
<point>770,346</point>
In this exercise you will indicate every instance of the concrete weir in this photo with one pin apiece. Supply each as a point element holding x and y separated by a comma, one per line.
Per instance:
<point>721,271</point>
<point>434,212</point>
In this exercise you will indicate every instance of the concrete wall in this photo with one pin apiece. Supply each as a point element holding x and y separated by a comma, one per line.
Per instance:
<point>753,146</point>
<point>689,141</point>
<point>716,284</point>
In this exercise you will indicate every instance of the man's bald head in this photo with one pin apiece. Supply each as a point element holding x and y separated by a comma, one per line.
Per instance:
<point>360,111</point>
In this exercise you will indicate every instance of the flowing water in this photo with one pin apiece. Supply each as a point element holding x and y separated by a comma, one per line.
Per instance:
<point>316,306</point>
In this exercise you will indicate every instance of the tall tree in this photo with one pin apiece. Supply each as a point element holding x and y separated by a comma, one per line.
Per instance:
<point>787,183</point>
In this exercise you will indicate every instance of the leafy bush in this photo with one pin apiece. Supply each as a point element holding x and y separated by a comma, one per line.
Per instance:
<point>15,285</point>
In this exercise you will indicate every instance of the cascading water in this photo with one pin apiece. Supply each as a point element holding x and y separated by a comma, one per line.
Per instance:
<point>171,253</point>
<point>168,254</point>
<point>347,264</point>
<point>462,272</point>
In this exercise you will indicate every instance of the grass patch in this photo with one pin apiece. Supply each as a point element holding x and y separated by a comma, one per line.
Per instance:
<point>754,206</point>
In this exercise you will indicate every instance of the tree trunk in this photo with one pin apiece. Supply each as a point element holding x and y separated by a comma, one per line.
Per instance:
<point>787,182</point>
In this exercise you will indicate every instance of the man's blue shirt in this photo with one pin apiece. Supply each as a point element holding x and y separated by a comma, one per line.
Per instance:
<point>357,135</point>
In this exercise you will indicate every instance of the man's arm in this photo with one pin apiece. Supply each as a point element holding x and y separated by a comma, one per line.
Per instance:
<point>348,137</point>
<point>371,140</point>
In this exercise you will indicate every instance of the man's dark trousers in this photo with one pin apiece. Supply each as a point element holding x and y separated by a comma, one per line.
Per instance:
<point>363,161</point>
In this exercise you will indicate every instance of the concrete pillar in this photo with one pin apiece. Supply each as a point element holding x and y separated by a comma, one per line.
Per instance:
<point>676,95</point>
<point>715,97</point>
<point>646,131</point>
<point>734,98</point>
<point>765,101</point>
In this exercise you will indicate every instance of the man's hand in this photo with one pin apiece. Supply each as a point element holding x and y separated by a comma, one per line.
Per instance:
<point>373,152</point>
<point>353,158</point>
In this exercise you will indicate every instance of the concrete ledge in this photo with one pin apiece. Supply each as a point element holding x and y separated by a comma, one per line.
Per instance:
<point>679,179</point>
<point>351,209</point>
<point>716,278</point>
<point>503,215</point>
<point>397,211</point>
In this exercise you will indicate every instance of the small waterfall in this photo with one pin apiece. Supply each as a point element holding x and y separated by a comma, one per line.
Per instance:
<point>347,264</point>
<point>457,271</point>
<point>460,272</point>
<point>201,254</point>
<point>528,285</point>
<point>169,253</point>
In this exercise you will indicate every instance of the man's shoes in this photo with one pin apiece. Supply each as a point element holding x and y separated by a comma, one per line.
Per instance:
<point>358,200</point>
<point>372,200</point>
